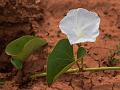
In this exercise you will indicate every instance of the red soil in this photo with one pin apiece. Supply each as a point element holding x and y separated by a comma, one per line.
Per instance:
<point>98,52</point>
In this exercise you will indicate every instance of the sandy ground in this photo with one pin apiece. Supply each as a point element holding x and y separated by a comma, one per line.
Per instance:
<point>98,52</point>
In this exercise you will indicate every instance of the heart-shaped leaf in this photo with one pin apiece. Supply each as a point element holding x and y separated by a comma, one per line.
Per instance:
<point>59,60</point>
<point>22,47</point>
<point>81,52</point>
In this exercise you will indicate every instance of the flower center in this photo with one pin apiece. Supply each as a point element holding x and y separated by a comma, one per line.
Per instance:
<point>79,34</point>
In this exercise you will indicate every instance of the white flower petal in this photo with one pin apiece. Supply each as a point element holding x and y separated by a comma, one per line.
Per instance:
<point>80,25</point>
<point>67,24</point>
<point>72,12</point>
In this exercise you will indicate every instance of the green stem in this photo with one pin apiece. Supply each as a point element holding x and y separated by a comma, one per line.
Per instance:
<point>38,75</point>
<point>78,66</point>
<point>77,69</point>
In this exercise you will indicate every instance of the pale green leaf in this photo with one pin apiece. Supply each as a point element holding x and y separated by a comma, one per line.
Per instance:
<point>22,47</point>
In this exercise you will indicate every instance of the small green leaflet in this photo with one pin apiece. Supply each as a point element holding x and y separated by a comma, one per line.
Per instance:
<point>81,52</point>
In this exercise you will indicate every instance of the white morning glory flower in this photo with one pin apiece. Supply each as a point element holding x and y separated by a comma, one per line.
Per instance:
<point>80,25</point>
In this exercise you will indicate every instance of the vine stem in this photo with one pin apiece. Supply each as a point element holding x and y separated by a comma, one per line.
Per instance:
<point>76,70</point>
